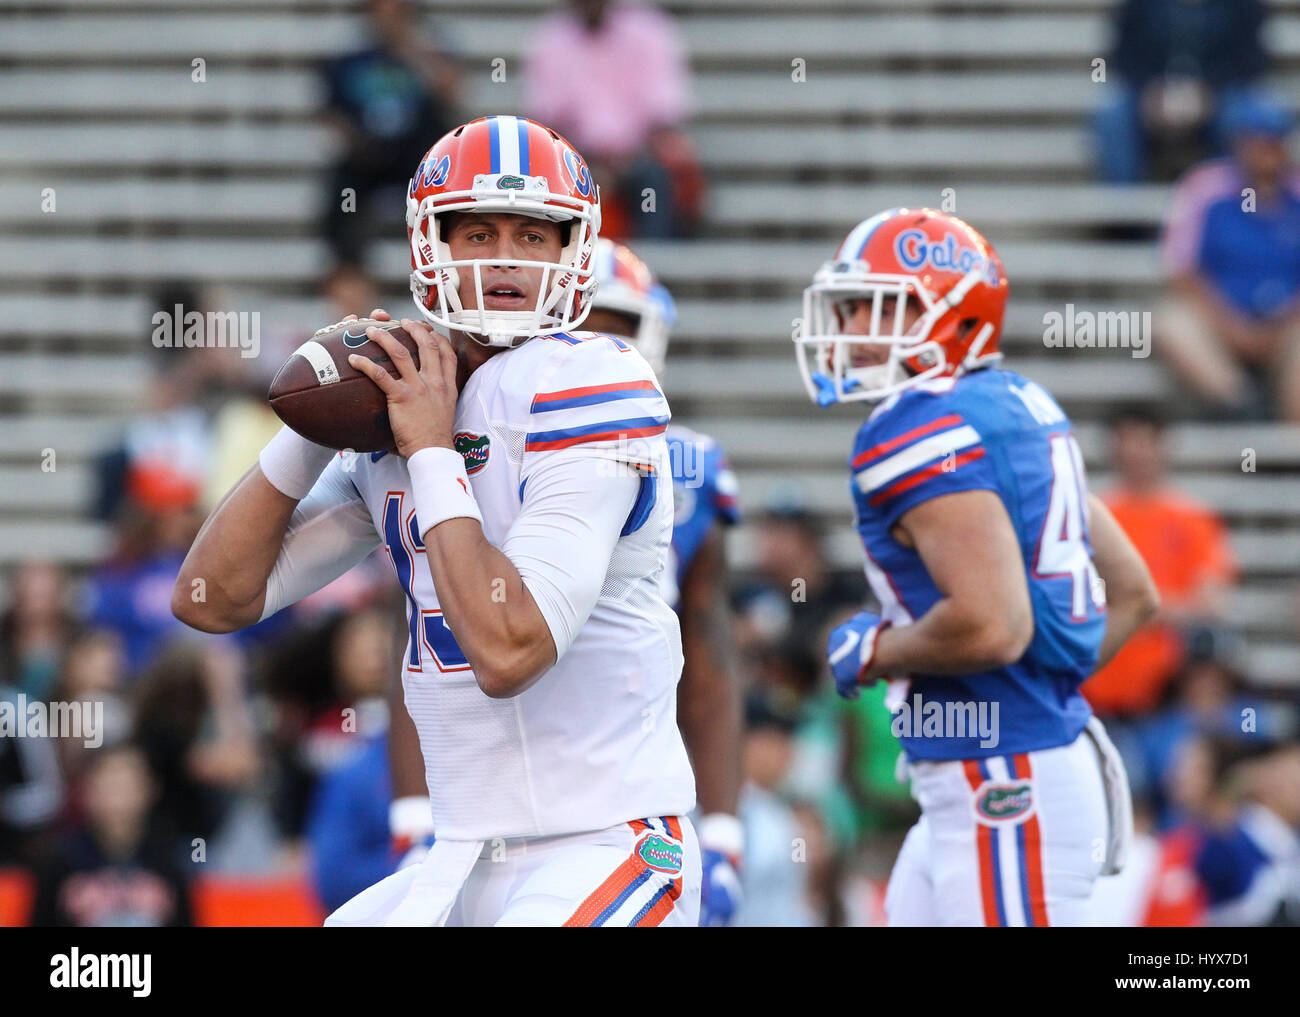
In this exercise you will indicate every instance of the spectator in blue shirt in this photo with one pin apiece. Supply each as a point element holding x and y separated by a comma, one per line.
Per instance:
<point>1251,867</point>
<point>1231,325</point>
<point>347,827</point>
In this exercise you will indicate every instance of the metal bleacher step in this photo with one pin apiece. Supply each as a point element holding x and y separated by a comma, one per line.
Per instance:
<point>295,200</point>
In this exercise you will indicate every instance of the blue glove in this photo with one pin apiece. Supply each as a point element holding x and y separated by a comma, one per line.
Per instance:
<point>720,894</point>
<point>851,649</point>
<point>721,843</point>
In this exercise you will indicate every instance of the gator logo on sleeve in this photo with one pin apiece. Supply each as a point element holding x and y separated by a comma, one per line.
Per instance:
<point>1004,801</point>
<point>473,449</point>
<point>660,854</point>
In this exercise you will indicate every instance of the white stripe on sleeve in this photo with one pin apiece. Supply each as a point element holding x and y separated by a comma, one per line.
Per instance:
<point>917,455</point>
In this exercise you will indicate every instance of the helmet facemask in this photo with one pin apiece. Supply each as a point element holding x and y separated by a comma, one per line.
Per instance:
<point>566,286</point>
<point>914,354</point>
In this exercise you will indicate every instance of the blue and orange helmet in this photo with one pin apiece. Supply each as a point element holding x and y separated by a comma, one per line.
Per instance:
<point>502,164</point>
<point>929,261</point>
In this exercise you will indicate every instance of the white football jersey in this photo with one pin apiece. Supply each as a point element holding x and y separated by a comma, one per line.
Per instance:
<point>594,742</point>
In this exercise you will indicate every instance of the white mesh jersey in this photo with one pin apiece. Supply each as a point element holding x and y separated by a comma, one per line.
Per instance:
<point>594,742</point>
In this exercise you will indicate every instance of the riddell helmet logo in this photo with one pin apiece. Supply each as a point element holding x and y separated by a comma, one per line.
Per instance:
<point>1004,801</point>
<point>660,855</point>
<point>473,449</point>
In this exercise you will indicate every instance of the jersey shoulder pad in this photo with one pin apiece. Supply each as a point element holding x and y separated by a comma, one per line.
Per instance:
<point>592,391</point>
<point>915,447</point>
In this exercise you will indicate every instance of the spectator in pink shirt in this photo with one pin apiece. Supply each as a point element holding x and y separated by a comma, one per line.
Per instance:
<point>613,78</point>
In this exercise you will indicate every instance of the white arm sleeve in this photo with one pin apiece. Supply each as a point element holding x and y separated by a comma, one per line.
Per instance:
<point>575,508</point>
<point>329,532</point>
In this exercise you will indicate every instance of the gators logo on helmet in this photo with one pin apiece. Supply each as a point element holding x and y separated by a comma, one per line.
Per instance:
<point>911,295</point>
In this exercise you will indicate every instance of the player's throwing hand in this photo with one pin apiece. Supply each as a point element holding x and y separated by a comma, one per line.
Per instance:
<point>422,398</point>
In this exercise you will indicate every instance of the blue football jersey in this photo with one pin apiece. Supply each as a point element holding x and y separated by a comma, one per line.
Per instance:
<point>704,492</point>
<point>989,430</point>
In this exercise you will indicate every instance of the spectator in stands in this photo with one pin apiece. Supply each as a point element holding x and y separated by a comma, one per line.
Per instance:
<point>1176,69</point>
<point>194,723</point>
<point>869,762</point>
<point>35,628</point>
<point>1209,697</point>
<point>775,885</point>
<point>347,827</point>
<point>328,682</point>
<point>613,78</point>
<point>387,101</point>
<point>31,791</point>
<point>796,591</point>
<point>1230,327</point>
<point>350,289</point>
<point>163,453</point>
<point>1250,866</point>
<point>115,869</point>
<point>1186,548</point>
<point>94,673</point>
<point>130,593</point>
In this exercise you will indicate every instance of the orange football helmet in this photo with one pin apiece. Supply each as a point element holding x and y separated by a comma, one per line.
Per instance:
<point>934,262</point>
<point>502,164</point>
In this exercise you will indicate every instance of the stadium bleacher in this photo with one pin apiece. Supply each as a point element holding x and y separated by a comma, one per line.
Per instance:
<point>157,177</point>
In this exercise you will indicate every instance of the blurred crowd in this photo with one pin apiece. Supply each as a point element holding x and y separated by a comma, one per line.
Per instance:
<point>1188,101</point>
<point>264,752</point>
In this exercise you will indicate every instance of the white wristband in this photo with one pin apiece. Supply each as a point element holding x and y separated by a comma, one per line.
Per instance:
<point>292,464</point>
<point>440,487</point>
<point>722,833</point>
<point>410,817</point>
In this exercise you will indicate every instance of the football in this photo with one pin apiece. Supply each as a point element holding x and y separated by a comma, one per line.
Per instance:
<point>322,397</point>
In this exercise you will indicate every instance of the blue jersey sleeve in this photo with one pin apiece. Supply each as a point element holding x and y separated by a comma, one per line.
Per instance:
<point>721,487</point>
<point>924,447</point>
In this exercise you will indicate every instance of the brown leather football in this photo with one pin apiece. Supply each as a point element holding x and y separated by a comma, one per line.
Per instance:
<point>322,397</point>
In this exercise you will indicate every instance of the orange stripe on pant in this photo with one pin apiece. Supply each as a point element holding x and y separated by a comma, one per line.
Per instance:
<point>984,841</point>
<point>605,894</point>
<point>1033,851</point>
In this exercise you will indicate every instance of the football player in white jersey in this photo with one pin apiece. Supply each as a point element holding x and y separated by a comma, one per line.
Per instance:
<point>527,514</point>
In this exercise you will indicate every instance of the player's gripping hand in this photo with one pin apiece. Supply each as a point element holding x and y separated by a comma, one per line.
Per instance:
<point>851,650</point>
<point>721,844</point>
<point>421,399</point>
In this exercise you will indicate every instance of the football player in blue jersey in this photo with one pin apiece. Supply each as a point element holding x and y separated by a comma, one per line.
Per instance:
<point>1002,583</point>
<point>630,304</point>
